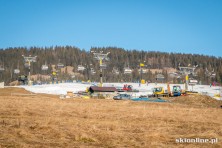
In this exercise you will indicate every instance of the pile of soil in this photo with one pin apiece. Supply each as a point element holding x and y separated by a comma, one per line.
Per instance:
<point>9,90</point>
<point>197,101</point>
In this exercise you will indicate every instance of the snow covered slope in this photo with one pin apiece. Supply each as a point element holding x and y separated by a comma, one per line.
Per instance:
<point>62,88</point>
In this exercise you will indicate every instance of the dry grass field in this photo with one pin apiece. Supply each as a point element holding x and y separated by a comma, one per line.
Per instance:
<point>46,121</point>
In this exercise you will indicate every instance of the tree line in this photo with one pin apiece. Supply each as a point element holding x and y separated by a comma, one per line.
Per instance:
<point>119,58</point>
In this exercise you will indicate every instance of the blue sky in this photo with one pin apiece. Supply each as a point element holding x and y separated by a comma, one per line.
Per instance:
<point>184,26</point>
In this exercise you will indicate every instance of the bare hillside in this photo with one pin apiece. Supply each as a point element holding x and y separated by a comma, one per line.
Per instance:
<point>38,120</point>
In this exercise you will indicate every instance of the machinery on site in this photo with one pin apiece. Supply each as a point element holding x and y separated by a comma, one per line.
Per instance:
<point>23,79</point>
<point>177,91</point>
<point>127,87</point>
<point>160,92</point>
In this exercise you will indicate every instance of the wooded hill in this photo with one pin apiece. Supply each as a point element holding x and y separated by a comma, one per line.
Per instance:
<point>11,58</point>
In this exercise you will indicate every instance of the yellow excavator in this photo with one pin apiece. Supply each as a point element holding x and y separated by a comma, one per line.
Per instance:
<point>160,92</point>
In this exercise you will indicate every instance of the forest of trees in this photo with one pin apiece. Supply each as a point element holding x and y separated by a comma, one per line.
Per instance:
<point>11,58</point>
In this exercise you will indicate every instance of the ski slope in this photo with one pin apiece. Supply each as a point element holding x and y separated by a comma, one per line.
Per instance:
<point>62,88</point>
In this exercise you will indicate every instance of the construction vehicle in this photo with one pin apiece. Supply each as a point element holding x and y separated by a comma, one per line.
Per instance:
<point>160,92</point>
<point>127,87</point>
<point>23,79</point>
<point>177,91</point>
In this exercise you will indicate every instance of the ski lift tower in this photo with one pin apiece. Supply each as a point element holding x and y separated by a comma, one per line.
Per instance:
<point>28,61</point>
<point>141,71</point>
<point>100,56</point>
<point>187,71</point>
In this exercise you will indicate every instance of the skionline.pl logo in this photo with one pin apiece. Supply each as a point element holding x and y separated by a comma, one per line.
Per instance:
<point>196,140</point>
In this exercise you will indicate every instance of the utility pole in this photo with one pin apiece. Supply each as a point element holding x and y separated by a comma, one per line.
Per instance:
<point>28,60</point>
<point>100,56</point>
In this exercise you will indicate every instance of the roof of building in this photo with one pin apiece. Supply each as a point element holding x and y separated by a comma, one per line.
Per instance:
<point>102,89</point>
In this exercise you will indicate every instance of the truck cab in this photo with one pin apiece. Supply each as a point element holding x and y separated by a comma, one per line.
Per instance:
<point>176,91</point>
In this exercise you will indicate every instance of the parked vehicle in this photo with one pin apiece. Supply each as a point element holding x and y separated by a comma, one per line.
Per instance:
<point>122,97</point>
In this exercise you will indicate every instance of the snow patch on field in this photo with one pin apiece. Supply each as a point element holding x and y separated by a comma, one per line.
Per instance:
<point>62,88</point>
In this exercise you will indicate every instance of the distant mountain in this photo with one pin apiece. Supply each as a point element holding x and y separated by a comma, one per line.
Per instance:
<point>119,59</point>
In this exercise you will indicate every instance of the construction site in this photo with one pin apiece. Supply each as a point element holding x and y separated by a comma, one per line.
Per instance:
<point>110,74</point>
<point>68,106</point>
<point>73,113</point>
<point>41,120</point>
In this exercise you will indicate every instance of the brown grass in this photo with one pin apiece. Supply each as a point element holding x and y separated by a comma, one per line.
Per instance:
<point>46,121</point>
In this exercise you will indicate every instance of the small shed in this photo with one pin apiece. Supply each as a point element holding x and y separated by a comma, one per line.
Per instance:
<point>93,89</point>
